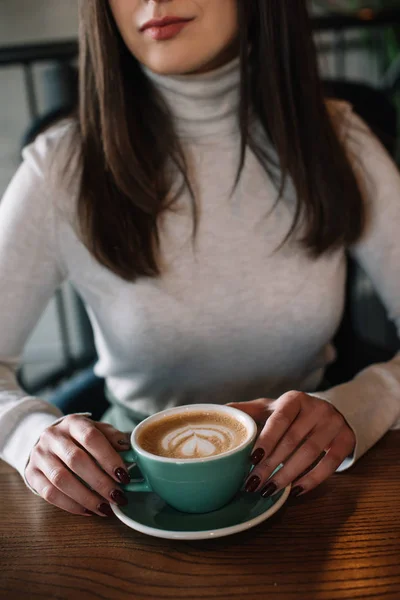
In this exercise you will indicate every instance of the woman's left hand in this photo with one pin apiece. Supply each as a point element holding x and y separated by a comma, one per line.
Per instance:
<point>299,429</point>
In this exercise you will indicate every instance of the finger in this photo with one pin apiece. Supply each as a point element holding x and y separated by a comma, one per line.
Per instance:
<point>260,410</point>
<point>119,440</point>
<point>291,440</point>
<point>39,482</point>
<point>97,445</point>
<point>275,428</point>
<point>341,447</point>
<point>305,424</point>
<point>321,438</point>
<point>64,481</point>
<point>81,464</point>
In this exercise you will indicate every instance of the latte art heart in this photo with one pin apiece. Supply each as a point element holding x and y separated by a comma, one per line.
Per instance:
<point>198,441</point>
<point>191,435</point>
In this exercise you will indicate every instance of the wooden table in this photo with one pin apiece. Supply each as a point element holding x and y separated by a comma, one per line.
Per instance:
<point>341,541</point>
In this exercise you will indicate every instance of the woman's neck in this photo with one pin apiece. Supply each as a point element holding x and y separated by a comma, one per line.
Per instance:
<point>229,54</point>
<point>202,104</point>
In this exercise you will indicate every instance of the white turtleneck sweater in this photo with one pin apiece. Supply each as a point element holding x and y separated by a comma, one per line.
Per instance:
<point>230,319</point>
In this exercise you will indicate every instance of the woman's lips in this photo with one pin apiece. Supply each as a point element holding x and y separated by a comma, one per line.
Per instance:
<point>165,29</point>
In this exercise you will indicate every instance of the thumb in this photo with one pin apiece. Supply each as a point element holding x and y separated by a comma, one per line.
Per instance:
<point>260,410</point>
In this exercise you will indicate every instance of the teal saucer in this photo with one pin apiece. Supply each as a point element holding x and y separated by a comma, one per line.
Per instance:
<point>148,513</point>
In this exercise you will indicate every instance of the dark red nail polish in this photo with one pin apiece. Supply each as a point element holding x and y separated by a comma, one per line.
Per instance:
<point>123,442</point>
<point>88,512</point>
<point>252,484</point>
<point>119,498</point>
<point>269,489</point>
<point>296,491</point>
<point>122,475</point>
<point>105,509</point>
<point>257,456</point>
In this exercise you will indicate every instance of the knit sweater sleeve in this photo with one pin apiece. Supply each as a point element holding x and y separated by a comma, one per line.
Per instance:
<point>371,401</point>
<point>30,272</point>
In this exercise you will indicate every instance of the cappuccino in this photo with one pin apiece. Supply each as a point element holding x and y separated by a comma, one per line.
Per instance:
<point>196,434</point>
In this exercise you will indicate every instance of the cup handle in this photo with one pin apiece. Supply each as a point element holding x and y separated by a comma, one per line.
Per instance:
<point>128,456</point>
<point>137,485</point>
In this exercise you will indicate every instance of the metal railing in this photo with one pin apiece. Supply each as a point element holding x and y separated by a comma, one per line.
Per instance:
<point>363,19</point>
<point>47,51</point>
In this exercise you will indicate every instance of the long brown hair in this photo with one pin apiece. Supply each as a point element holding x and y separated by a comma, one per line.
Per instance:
<point>125,184</point>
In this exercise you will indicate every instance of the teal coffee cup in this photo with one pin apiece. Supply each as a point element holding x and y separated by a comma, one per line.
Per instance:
<point>200,484</point>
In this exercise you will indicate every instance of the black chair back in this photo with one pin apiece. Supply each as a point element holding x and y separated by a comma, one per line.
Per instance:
<point>366,335</point>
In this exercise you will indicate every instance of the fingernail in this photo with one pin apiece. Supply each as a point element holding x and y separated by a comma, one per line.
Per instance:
<point>296,491</point>
<point>88,512</point>
<point>123,442</point>
<point>122,475</point>
<point>257,456</point>
<point>105,509</point>
<point>252,484</point>
<point>269,489</point>
<point>119,498</point>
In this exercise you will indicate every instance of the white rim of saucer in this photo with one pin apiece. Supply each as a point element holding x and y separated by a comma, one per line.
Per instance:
<point>204,534</point>
<point>230,410</point>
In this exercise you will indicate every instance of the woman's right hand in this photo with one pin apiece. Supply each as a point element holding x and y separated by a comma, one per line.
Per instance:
<point>75,449</point>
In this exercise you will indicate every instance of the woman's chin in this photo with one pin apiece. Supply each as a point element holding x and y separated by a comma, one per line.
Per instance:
<point>178,60</point>
<point>164,65</point>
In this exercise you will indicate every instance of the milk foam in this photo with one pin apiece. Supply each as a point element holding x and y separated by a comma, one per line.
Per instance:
<point>198,441</point>
<point>193,435</point>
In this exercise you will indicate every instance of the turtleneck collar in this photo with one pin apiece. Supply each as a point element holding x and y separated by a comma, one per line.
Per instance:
<point>205,104</point>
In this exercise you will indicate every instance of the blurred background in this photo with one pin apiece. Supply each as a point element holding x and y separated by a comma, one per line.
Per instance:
<point>359,52</point>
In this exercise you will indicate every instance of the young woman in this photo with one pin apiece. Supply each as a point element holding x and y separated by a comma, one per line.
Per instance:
<point>202,205</point>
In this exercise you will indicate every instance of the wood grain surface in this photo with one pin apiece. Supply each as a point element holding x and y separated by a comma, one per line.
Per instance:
<point>341,541</point>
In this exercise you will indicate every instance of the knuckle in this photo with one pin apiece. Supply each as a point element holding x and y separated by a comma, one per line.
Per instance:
<point>31,470</point>
<point>293,395</point>
<point>282,418</point>
<point>37,457</point>
<point>49,494</point>
<point>107,427</point>
<point>336,418</point>
<point>88,435</point>
<point>76,422</point>
<point>39,452</point>
<point>57,477</point>
<point>263,402</point>
<point>324,409</point>
<point>74,457</point>
<point>36,453</point>
<point>311,449</point>
<point>46,437</point>
<point>73,419</point>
